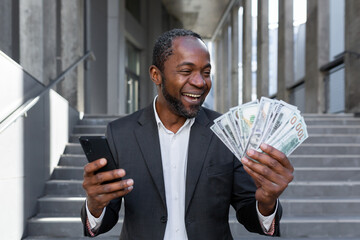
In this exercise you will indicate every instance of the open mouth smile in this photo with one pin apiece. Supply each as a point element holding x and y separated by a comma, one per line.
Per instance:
<point>194,97</point>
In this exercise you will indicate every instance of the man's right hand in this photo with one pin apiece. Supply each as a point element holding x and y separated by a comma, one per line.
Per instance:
<point>99,195</point>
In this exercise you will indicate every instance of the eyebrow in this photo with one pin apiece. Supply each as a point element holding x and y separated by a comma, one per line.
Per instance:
<point>192,64</point>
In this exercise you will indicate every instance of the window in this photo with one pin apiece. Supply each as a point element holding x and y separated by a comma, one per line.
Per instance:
<point>132,71</point>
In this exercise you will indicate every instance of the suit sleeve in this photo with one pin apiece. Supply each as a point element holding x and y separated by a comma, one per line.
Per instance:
<point>244,202</point>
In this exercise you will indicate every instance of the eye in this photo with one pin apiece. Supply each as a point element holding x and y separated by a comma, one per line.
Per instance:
<point>185,71</point>
<point>207,73</point>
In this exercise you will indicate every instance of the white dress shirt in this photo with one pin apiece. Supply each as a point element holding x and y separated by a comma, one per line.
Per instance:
<point>174,154</point>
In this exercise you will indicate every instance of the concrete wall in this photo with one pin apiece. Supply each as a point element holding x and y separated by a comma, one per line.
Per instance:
<point>109,26</point>
<point>30,147</point>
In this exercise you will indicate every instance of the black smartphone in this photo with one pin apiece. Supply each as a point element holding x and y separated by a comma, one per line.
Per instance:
<point>96,147</point>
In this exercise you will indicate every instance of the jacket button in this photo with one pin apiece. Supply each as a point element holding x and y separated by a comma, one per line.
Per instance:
<point>163,219</point>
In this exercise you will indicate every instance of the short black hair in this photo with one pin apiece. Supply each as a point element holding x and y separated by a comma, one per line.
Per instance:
<point>163,45</point>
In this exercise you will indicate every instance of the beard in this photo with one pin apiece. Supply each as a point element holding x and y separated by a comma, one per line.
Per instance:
<point>177,106</point>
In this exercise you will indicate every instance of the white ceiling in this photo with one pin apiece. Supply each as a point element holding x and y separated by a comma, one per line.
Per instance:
<point>201,16</point>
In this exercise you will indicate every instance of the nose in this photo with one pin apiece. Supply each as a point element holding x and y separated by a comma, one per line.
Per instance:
<point>198,80</point>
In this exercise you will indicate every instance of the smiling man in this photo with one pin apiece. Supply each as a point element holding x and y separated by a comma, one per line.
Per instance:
<point>180,179</point>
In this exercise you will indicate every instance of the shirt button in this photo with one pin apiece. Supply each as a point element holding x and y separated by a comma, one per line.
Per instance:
<point>163,219</point>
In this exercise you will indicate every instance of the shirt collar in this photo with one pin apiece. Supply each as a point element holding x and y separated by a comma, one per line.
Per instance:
<point>189,121</point>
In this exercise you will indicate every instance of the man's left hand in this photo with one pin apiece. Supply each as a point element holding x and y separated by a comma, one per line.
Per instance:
<point>271,174</point>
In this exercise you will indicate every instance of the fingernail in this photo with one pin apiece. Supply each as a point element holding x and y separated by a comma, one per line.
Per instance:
<point>264,146</point>
<point>103,161</point>
<point>250,152</point>
<point>130,188</point>
<point>120,172</point>
<point>244,160</point>
<point>130,182</point>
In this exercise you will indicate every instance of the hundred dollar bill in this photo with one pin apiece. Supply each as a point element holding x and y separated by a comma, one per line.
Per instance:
<point>288,143</point>
<point>280,119</point>
<point>260,122</point>
<point>219,133</point>
<point>285,129</point>
<point>224,125</point>
<point>273,112</point>
<point>233,128</point>
<point>234,112</point>
<point>246,117</point>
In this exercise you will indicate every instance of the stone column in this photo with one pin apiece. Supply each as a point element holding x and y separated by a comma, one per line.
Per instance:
<point>218,86</point>
<point>50,40</point>
<point>115,22</point>
<point>235,55</point>
<point>317,54</point>
<point>285,49</point>
<point>154,30</point>
<point>247,81</point>
<point>352,57</point>
<point>262,76</point>
<point>72,48</point>
<point>6,27</point>
<point>31,37</point>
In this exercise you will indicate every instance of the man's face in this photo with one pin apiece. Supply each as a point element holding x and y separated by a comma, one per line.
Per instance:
<point>186,76</point>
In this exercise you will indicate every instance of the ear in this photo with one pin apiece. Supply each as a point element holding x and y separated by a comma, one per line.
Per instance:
<point>155,75</point>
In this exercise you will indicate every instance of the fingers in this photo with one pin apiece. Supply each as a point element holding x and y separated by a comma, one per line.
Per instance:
<point>272,172</point>
<point>266,177</point>
<point>90,168</point>
<point>111,191</point>
<point>276,154</point>
<point>99,196</point>
<point>102,177</point>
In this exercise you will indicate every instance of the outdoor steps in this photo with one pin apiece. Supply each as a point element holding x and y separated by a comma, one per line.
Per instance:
<point>323,201</point>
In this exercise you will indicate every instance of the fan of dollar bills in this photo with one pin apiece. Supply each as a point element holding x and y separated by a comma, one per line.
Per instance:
<point>269,121</point>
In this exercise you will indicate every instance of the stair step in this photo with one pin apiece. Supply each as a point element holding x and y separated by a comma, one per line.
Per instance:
<point>294,227</point>
<point>304,227</point>
<point>327,115</point>
<point>327,174</point>
<point>64,188</point>
<point>60,206</point>
<point>300,173</point>
<point>74,138</point>
<point>332,121</point>
<point>333,129</point>
<point>321,226</point>
<point>63,227</point>
<point>78,160</point>
<point>89,129</point>
<point>50,206</point>
<point>333,138</point>
<point>328,148</point>
<point>73,148</point>
<point>315,207</point>
<point>301,189</point>
<point>322,207</point>
<point>333,160</point>
<point>97,121</point>
<point>68,173</point>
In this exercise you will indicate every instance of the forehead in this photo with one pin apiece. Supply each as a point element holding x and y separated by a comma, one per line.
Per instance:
<point>189,49</point>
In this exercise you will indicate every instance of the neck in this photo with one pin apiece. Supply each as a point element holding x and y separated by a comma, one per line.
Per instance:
<point>171,121</point>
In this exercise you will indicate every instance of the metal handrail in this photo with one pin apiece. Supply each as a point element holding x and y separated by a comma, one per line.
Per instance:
<point>25,107</point>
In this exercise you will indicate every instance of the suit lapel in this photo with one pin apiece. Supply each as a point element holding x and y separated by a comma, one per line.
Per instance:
<point>199,142</point>
<point>148,139</point>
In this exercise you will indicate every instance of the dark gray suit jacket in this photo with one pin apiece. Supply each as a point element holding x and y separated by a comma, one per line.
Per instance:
<point>215,180</point>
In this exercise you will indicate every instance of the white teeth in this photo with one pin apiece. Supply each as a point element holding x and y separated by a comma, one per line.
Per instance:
<point>192,95</point>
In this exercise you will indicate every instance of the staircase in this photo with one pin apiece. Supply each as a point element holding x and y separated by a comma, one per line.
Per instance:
<point>323,201</point>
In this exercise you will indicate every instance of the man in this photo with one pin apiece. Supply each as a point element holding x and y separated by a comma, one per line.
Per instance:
<point>180,179</point>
